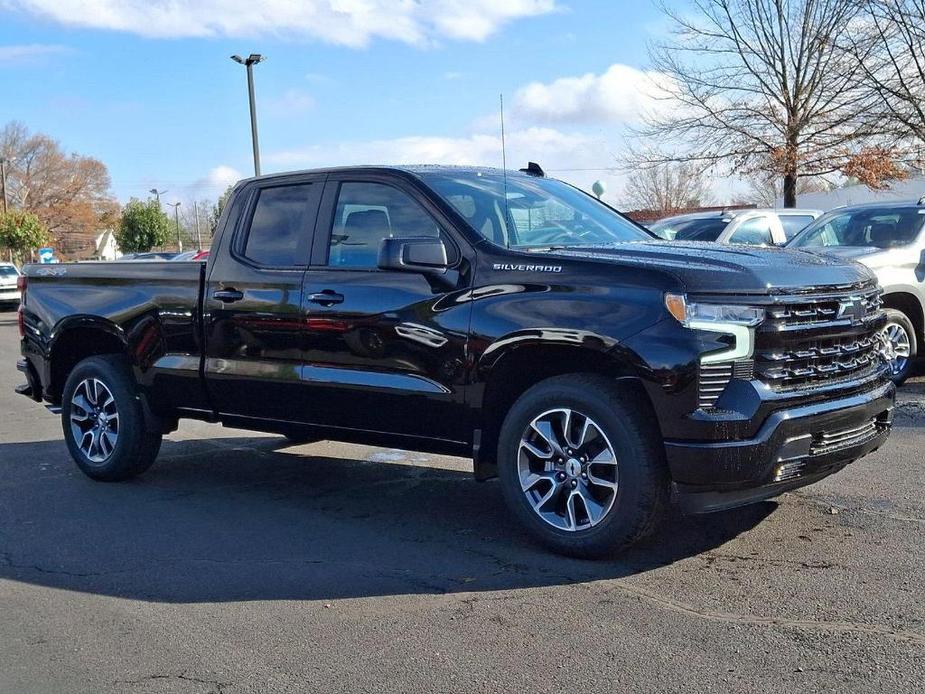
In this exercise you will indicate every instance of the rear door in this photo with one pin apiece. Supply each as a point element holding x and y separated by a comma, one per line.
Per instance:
<point>385,350</point>
<point>253,302</point>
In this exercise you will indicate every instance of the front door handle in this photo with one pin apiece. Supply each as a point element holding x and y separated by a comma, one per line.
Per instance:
<point>326,298</point>
<point>227,296</point>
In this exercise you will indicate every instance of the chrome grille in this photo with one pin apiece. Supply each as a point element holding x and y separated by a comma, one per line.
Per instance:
<point>715,377</point>
<point>713,381</point>
<point>830,441</point>
<point>809,341</point>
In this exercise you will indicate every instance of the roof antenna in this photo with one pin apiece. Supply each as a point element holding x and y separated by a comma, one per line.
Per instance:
<point>507,213</point>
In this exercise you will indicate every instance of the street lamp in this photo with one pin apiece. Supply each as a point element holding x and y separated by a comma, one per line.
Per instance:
<point>176,212</point>
<point>249,63</point>
<point>157,195</point>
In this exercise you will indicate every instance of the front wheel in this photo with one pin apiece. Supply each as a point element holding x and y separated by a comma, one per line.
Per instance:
<point>103,421</point>
<point>581,468</point>
<point>899,334</point>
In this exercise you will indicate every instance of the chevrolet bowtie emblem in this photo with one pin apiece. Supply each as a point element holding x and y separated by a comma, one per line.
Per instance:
<point>852,309</point>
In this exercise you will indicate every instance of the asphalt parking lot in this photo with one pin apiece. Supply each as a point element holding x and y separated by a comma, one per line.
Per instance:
<point>241,564</point>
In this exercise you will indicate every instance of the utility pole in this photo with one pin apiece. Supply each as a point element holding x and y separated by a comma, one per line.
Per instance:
<point>157,195</point>
<point>176,213</point>
<point>198,234</point>
<point>249,63</point>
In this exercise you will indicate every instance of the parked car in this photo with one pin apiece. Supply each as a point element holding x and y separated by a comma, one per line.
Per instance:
<point>9,293</point>
<point>889,239</point>
<point>150,256</point>
<point>187,256</point>
<point>512,318</point>
<point>752,227</point>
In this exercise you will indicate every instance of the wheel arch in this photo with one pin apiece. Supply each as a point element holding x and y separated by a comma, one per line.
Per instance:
<point>506,374</point>
<point>909,304</point>
<point>73,340</point>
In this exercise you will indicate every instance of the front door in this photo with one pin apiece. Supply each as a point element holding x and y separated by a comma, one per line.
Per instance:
<point>385,350</point>
<point>253,304</point>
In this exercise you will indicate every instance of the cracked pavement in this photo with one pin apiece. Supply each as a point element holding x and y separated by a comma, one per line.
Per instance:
<point>241,564</point>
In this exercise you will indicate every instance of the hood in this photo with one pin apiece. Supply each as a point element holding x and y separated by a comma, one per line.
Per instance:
<point>718,269</point>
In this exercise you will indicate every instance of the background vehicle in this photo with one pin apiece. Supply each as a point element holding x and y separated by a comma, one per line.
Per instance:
<point>9,294</point>
<point>186,256</point>
<point>512,318</point>
<point>889,239</point>
<point>153,255</point>
<point>752,227</point>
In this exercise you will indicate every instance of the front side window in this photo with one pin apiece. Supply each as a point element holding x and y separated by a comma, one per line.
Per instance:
<point>281,227</point>
<point>753,232</point>
<point>367,213</point>
<point>526,212</point>
<point>867,227</point>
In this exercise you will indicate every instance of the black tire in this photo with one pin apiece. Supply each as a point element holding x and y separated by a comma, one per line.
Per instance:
<point>900,319</point>
<point>135,447</point>
<point>640,501</point>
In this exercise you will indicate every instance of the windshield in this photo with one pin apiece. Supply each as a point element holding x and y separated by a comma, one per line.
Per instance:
<point>697,229</point>
<point>7,271</point>
<point>794,223</point>
<point>878,227</point>
<point>538,212</point>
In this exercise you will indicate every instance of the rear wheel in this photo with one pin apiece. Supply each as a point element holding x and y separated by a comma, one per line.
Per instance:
<point>103,421</point>
<point>901,344</point>
<point>581,468</point>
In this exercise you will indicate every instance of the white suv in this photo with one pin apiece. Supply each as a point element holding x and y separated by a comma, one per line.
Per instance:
<point>9,294</point>
<point>752,227</point>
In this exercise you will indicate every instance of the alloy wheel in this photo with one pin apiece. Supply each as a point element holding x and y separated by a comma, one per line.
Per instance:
<point>900,346</point>
<point>568,470</point>
<point>94,420</point>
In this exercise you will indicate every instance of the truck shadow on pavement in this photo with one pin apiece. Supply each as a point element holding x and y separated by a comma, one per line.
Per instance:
<point>246,518</point>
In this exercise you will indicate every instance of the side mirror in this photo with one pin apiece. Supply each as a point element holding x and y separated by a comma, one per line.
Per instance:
<point>425,254</point>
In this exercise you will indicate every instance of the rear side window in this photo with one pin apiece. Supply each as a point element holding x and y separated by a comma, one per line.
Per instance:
<point>281,227</point>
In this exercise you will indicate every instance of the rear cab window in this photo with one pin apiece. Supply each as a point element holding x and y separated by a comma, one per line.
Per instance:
<point>281,225</point>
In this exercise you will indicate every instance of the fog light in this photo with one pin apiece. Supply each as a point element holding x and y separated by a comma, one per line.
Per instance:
<point>789,471</point>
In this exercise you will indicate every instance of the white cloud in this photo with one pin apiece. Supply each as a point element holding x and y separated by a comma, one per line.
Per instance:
<point>30,52</point>
<point>622,94</point>
<point>345,22</point>
<point>219,178</point>
<point>292,102</point>
<point>574,157</point>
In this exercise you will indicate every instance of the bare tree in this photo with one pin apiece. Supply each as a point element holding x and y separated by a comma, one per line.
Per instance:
<point>667,188</point>
<point>760,86</point>
<point>766,189</point>
<point>889,45</point>
<point>69,193</point>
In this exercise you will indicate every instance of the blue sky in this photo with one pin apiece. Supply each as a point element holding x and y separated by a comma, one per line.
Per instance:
<point>148,87</point>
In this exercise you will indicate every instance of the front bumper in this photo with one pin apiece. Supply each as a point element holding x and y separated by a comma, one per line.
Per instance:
<point>794,447</point>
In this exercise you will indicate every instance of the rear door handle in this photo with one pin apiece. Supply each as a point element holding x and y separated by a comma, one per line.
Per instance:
<point>326,298</point>
<point>227,296</point>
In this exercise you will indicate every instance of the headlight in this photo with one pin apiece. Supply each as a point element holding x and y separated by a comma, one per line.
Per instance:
<point>730,319</point>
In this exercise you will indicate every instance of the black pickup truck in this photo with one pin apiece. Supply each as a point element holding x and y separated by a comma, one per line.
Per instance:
<point>600,373</point>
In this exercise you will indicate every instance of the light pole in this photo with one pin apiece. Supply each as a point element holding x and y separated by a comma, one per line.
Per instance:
<point>176,212</point>
<point>249,63</point>
<point>198,233</point>
<point>157,195</point>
